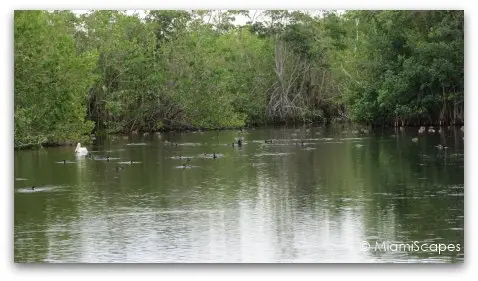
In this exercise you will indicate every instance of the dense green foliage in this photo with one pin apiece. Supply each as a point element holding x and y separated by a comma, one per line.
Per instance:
<point>51,81</point>
<point>197,69</point>
<point>407,67</point>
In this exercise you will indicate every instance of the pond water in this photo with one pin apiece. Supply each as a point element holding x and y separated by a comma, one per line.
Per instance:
<point>317,195</point>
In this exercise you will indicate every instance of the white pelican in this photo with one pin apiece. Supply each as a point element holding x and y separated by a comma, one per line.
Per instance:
<point>81,150</point>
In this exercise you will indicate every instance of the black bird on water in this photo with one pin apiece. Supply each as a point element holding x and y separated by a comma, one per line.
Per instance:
<point>64,161</point>
<point>239,142</point>
<point>33,187</point>
<point>214,155</point>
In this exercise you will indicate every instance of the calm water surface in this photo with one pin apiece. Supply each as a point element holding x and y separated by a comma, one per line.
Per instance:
<point>320,201</point>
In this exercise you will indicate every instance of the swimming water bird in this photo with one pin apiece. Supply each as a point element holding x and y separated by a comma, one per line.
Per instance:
<point>421,130</point>
<point>268,141</point>
<point>214,155</point>
<point>239,142</point>
<point>81,150</point>
<point>431,130</point>
<point>415,139</point>
<point>64,161</point>
<point>170,143</point>
<point>33,187</point>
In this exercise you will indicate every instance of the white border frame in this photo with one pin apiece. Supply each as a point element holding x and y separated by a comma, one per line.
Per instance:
<point>223,272</point>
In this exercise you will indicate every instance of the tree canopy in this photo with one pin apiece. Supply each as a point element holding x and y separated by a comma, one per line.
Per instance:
<point>120,72</point>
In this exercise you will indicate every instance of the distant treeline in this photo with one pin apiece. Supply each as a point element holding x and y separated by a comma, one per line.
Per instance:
<point>116,72</point>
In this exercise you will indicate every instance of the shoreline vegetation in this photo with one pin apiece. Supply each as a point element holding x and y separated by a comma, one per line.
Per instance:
<point>113,72</point>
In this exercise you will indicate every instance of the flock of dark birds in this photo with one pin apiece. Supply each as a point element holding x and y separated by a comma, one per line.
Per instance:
<point>82,151</point>
<point>88,155</point>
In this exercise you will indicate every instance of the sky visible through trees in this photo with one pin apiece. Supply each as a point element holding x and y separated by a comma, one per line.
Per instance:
<point>119,72</point>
